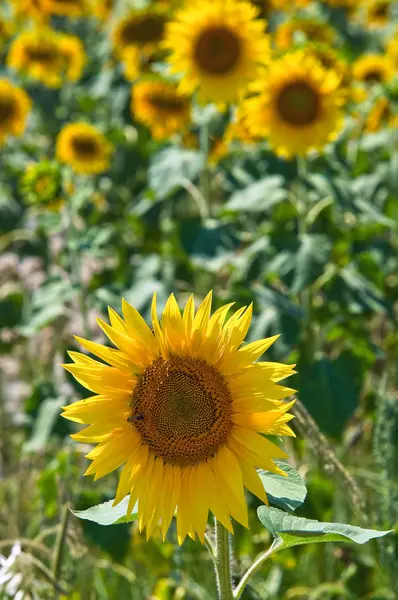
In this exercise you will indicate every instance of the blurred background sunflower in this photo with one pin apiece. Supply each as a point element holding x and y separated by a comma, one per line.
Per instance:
<point>83,147</point>
<point>15,106</point>
<point>217,48</point>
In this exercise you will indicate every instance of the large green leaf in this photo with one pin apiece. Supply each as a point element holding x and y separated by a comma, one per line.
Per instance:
<point>47,416</point>
<point>289,530</point>
<point>258,196</point>
<point>106,514</point>
<point>287,492</point>
<point>312,255</point>
<point>170,167</point>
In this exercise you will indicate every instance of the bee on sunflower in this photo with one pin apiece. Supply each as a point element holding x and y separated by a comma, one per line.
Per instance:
<point>373,68</point>
<point>298,105</point>
<point>161,107</point>
<point>181,407</point>
<point>84,148</point>
<point>41,184</point>
<point>47,56</point>
<point>15,106</point>
<point>304,29</point>
<point>141,28</point>
<point>217,48</point>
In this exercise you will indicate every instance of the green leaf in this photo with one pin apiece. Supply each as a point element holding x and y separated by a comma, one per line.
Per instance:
<point>106,514</point>
<point>47,416</point>
<point>258,196</point>
<point>287,492</point>
<point>169,169</point>
<point>312,255</point>
<point>289,530</point>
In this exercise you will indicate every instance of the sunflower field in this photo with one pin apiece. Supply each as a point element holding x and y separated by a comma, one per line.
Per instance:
<point>198,299</point>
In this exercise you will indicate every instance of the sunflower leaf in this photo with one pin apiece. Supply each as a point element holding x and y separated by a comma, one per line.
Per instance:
<point>289,530</point>
<point>286,492</point>
<point>106,514</point>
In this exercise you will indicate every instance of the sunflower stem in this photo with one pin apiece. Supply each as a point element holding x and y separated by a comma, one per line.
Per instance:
<point>204,175</point>
<point>251,570</point>
<point>75,266</point>
<point>223,562</point>
<point>60,543</point>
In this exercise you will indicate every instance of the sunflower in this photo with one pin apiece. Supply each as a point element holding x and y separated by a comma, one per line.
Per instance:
<point>182,407</point>
<point>392,50</point>
<point>298,106</point>
<point>30,9</point>
<point>373,68</point>
<point>137,62</point>
<point>141,28</point>
<point>218,47</point>
<point>6,30</point>
<point>47,56</point>
<point>84,148</point>
<point>289,5</point>
<point>102,9</point>
<point>41,184</point>
<point>159,105</point>
<point>378,13</point>
<point>67,8</point>
<point>300,29</point>
<point>15,105</point>
<point>382,114</point>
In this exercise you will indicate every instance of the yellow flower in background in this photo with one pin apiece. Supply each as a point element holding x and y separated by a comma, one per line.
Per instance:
<point>378,13</point>
<point>41,184</point>
<point>298,107</point>
<point>289,5</point>
<point>68,8</point>
<point>84,148</point>
<point>29,9</point>
<point>47,56</point>
<point>6,31</point>
<point>382,114</point>
<point>373,68</point>
<point>182,407</point>
<point>159,105</point>
<point>330,59</point>
<point>392,50</point>
<point>102,9</point>
<point>217,47</point>
<point>304,29</point>
<point>141,28</point>
<point>15,105</point>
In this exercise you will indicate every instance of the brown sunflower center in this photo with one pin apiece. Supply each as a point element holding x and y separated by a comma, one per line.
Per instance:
<point>166,102</point>
<point>217,50</point>
<point>85,146</point>
<point>381,10</point>
<point>375,75</point>
<point>182,409</point>
<point>298,103</point>
<point>142,30</point>
<point>43,54</point>
<point>7,108</point>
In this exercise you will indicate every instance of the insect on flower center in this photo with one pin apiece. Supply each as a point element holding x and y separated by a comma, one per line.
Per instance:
<point>217,50</point>
<point>182,409</point>
<point>298,104</point>
<point>142,30</point>
<point>85,146</point>
<point>7,107</point>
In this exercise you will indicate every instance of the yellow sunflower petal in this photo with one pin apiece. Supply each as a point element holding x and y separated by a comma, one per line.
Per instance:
<point>228,473</point>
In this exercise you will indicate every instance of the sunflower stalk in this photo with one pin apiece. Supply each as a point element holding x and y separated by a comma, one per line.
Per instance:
<point>74,263</point>
<point>60,543</point>
<point>223,561</point>
<point>204,174</point>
